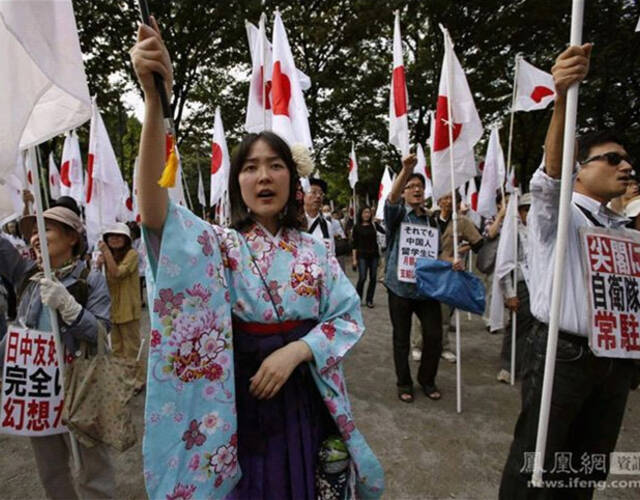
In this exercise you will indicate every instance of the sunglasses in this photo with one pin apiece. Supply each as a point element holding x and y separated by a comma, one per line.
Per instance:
<point>611,158</point>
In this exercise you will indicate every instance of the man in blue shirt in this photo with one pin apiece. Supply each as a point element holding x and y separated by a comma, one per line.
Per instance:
<point>405,205</point>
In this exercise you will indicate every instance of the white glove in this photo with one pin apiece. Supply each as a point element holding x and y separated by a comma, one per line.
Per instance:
<point>55,295</point>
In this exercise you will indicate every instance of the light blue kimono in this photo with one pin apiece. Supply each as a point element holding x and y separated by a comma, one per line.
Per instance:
<point>198,275</point>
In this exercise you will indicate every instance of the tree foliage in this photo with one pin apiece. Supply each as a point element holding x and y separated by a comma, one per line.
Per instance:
<point>345,47</point>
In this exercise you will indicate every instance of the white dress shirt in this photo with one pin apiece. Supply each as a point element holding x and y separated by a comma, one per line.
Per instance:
<point>317,232</point>
<point>542,222</point>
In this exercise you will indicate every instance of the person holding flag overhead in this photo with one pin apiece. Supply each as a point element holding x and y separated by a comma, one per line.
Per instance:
<point>249,327</point>
<point>589,392</point>
<point>405,205</point>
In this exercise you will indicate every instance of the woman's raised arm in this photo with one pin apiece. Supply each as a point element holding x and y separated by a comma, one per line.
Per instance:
<point>150,55</point>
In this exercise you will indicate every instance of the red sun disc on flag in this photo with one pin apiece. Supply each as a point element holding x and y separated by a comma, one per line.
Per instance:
<point>380,190</point>
<point>266,90</point>
<point>216,157</point>
<point>441,140</point>
<point>89,177</point>
<point>280,91</point>
<point>52,179</point>
<point>399,92</point>
<point>350,164</point>
<point>29,178</point>
<point>64,174</point>
<point>540,92</point>
<point>129,204</point>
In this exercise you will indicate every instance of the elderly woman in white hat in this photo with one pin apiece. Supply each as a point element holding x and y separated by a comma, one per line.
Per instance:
<point>81,299</point>
<point>121,264</point>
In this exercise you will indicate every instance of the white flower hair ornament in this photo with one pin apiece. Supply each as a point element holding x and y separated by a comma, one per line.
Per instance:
<point>302,158</point>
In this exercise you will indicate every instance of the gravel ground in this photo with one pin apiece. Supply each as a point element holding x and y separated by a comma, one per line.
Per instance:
<point>426,448</point>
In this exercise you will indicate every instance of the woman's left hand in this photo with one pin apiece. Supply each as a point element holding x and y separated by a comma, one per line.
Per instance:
<point>276,369</point>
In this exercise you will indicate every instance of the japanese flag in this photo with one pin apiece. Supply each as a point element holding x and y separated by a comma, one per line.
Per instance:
<point>471,195</point>
<point>512,182</point>
<point>398,101</point>
<point>258,116</point>
<point>493,176</point>
<point>465,124</point>
<point>383,192</point>
<point>43,87</point>
<point>134,195</point>
<point>220,164</point>
<point>353,168</point>
<point>290,116</point>
<point>421,168</point>
<point>54,178</point>
<point>534,88</point>
<point>126,212</point>
<point>106,189</point>
<point>71,181</point>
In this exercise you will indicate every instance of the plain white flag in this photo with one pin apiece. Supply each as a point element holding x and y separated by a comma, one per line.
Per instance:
<point>493,175</point>
<point>43,87</point>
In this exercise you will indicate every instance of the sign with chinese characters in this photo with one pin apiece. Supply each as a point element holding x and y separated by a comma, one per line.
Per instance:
<point>32,396</point>
<point>415,241</point>
<point>612,262</point>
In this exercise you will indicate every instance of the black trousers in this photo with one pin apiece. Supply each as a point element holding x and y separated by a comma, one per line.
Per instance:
<point>428,312</point>
<point>524,323</point>
<point>587,406</point>
<point>367,265</point>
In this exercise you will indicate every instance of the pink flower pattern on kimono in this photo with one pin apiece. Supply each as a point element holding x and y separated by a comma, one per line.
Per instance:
<point>262,249</point>
<point>224,461</point>
<point>306,275</point>
<point>192,436</point>
<point>205,241</point>
<point>345,426</point>
<point>182,492</point>
<point>168,302</point>
<point>156,338</point>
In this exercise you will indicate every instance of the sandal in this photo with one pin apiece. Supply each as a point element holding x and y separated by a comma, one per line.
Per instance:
<point>405,395</point>
<point>432,392</point>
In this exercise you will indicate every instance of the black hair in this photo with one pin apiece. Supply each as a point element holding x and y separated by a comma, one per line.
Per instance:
<point>67,202</point>
<point>240,217</point>
<point>416,175</point>
<point>592,139</point>
<point>359,218</point>
<point>314,181</point>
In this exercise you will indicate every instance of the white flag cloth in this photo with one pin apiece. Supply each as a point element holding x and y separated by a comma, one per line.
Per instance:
<point>492,176</point>
<point>54,178</point>
<point>106,190</point>
<point>467,127</point>
<point>11,204</point>
<point>176,193</point>
<point>353,167</point>
<point>398,101</point>
<point>126,214</point>
<point>471,195</point>
<point>71,175</point>
<point>511,185</point>
<point>257,118</point>
<point>134,195</point>
<point>421,168</point>
<point>534,88</point>
<point>505,263</point>
<point>638,25</point>
<point>43,87</point>
<point>220,163</point>
<point>383,193</point>
<point>290,116</point>
<point>201,196</point>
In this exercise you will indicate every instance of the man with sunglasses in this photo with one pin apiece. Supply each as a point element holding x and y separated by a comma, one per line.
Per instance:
<point>589,393</point>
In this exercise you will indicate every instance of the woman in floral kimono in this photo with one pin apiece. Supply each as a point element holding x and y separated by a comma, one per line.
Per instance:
<point>249,327</point>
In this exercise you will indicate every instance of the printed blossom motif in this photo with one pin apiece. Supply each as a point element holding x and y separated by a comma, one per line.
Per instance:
<point>267,296</point>
<point>167,302</point>
<point>345,426</point>
<point>194,463</point>
<point>305,275</point>
<point>197,340</point>
<point>192,436</point>
<point>198,291</point>
<point>223,461</point>
<point>182,492</point>
<point>329,330</point>
<point>211,422</point>
<point>205,241</point>
<point>156,338</point>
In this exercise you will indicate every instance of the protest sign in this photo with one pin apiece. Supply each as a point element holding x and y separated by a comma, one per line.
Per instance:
<point>612,262</point>
<point>32,395</point>
<point>415,241</point>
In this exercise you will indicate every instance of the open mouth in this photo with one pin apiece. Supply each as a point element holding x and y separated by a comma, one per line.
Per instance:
<point>266,194</point>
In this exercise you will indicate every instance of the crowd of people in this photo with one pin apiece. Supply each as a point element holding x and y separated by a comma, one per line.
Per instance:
<point>250,323</point>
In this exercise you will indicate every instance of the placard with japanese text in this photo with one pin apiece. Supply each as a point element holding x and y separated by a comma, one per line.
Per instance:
<point>416,241</point>
<point>32,396</point>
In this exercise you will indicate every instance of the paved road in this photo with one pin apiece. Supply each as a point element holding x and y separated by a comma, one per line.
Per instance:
<point>426,448</point>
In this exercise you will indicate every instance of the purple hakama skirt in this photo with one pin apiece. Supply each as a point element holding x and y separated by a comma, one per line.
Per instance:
<point>278,438</point>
